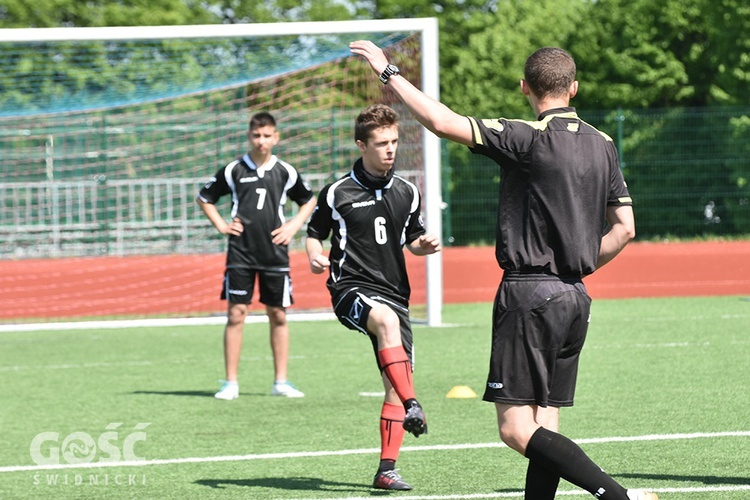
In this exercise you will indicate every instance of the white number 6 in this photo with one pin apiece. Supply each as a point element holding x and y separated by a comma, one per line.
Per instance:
<point>381,236</point>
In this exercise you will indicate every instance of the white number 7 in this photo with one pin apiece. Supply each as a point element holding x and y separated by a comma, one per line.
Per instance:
<point>261,197</point>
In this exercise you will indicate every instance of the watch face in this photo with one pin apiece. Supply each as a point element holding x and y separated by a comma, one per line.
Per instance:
<point>388,72</point>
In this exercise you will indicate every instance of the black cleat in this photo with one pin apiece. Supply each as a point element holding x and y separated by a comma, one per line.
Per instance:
<point>389,480</point>
<point>414,420</point>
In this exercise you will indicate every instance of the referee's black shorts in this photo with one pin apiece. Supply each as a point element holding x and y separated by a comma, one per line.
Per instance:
<point>539,326</point>
<point>353,306</point>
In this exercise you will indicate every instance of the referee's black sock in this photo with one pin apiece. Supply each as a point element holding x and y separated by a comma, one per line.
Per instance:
<point>562,456</point>
<point>541,483</point>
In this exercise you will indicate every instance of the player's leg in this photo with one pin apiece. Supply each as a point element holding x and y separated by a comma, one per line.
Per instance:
<point>238,292</point>
<point>391,438</point>
<point>236,314</point>
<point>388,331</point>
<point>276,293</point>
<point>384,324</point>
<point>390,325</point>
<point>279,330</point>
<point>279,337</point>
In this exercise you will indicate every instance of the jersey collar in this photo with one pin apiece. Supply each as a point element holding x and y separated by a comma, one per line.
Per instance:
<point>568,112</point>
<point>262,169</point>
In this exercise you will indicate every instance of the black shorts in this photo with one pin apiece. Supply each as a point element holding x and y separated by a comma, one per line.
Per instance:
<point>275,287</point>
<point>353,307</point>
<point>539,325</point>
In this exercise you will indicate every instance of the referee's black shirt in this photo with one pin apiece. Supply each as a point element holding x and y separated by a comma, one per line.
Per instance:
<point>558,175</point>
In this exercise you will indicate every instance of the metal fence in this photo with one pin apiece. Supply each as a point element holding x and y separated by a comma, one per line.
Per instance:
<point>688,171</point>
<point>114,217</point>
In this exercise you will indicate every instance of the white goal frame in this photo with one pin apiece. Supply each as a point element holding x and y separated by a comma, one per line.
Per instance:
<point>426,27</point>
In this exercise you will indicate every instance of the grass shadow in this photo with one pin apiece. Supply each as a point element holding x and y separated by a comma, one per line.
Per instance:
<point>707,480</point>
<point>287,483</point>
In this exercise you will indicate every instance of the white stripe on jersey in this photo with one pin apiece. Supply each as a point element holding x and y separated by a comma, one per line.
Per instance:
<point>412,208</point>
<point>230,182</point>
<point>287,297</point>
<point>289,185</point>
<point>336,216</point>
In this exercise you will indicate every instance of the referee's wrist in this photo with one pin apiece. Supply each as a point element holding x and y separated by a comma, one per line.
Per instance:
<point>390,70</point>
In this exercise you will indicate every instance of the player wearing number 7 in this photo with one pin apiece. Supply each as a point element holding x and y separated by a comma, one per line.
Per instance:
<point>259,185</point>
<point>372,214</point>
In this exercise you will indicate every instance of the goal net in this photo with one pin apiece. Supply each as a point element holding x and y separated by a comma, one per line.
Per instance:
<point>107,134</point>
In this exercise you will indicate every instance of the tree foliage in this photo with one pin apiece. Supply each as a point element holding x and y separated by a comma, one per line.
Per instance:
<point>630,53</point>
<point>94,13</point>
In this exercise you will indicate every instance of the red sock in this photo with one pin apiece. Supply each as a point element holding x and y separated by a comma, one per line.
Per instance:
<point>397,368</point>
<point>391,431</point>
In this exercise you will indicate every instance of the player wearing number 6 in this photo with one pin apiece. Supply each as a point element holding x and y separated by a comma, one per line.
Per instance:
<point>372,214</point>
<point>259,184</point>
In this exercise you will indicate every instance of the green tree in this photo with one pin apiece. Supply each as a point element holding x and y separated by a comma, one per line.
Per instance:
<point>646,54</point>
<point>269,11</point>
<point>95,13</point>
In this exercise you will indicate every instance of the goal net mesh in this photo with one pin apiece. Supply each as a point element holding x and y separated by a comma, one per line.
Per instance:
<point>105,144</point>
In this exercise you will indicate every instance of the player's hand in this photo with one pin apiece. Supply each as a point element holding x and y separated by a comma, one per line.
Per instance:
<point>319,263</point>
<point>283,234</point>
<point>429,244</point>
<point>371,52</point>
<point>234,228</point>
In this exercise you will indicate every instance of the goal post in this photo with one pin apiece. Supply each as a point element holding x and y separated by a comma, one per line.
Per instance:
<point>116,147</point>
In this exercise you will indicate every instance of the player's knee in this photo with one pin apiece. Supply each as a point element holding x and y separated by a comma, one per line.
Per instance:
<point>276,316</point>
<point>384,321</point>
<point>236,314</point>
<point>514,436</point>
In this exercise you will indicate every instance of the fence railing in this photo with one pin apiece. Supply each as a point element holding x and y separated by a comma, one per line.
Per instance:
<point>114,217</point>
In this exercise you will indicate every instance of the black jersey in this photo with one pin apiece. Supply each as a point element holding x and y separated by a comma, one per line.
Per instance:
<point>370,228</point>
<point>258,197</point>
<point>558,175</point>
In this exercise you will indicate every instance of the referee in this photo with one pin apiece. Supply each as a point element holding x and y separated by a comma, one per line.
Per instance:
<point>564,211</point>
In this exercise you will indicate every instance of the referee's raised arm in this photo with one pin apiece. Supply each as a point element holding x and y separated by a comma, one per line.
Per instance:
<point>433,115</point>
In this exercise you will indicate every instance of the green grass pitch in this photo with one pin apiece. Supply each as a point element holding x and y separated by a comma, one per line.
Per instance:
<point>662,403</point>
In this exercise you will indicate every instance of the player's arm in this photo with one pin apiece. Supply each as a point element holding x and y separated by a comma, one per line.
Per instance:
<point>434,115</point>
<point>318,261</point>
<point>621,231</point>
<point>283,234</point>
<point>233,228</point>
<point>425,245</point>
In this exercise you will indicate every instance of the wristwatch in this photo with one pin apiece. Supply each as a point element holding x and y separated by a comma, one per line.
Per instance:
<point>388,72</point>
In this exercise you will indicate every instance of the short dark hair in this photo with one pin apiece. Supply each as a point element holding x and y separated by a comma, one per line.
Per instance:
<point>372,118</point>
<point>550,71</point>
<point>262,119</point>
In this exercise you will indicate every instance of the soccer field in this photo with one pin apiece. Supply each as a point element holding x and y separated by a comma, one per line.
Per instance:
<point>662,403</point>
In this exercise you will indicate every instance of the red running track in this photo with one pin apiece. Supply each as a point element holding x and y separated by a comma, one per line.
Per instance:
<point>190,284</point>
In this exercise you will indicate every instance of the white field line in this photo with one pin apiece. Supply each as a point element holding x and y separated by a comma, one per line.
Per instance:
<point>116,364</point>
<point>139,323</point>
<point>362,451</point>
<point>570,493</point>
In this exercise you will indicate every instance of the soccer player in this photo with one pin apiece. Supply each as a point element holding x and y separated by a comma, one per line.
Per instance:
<point>372,214</point>
<point>259,184</point>
<point>560,184</point>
